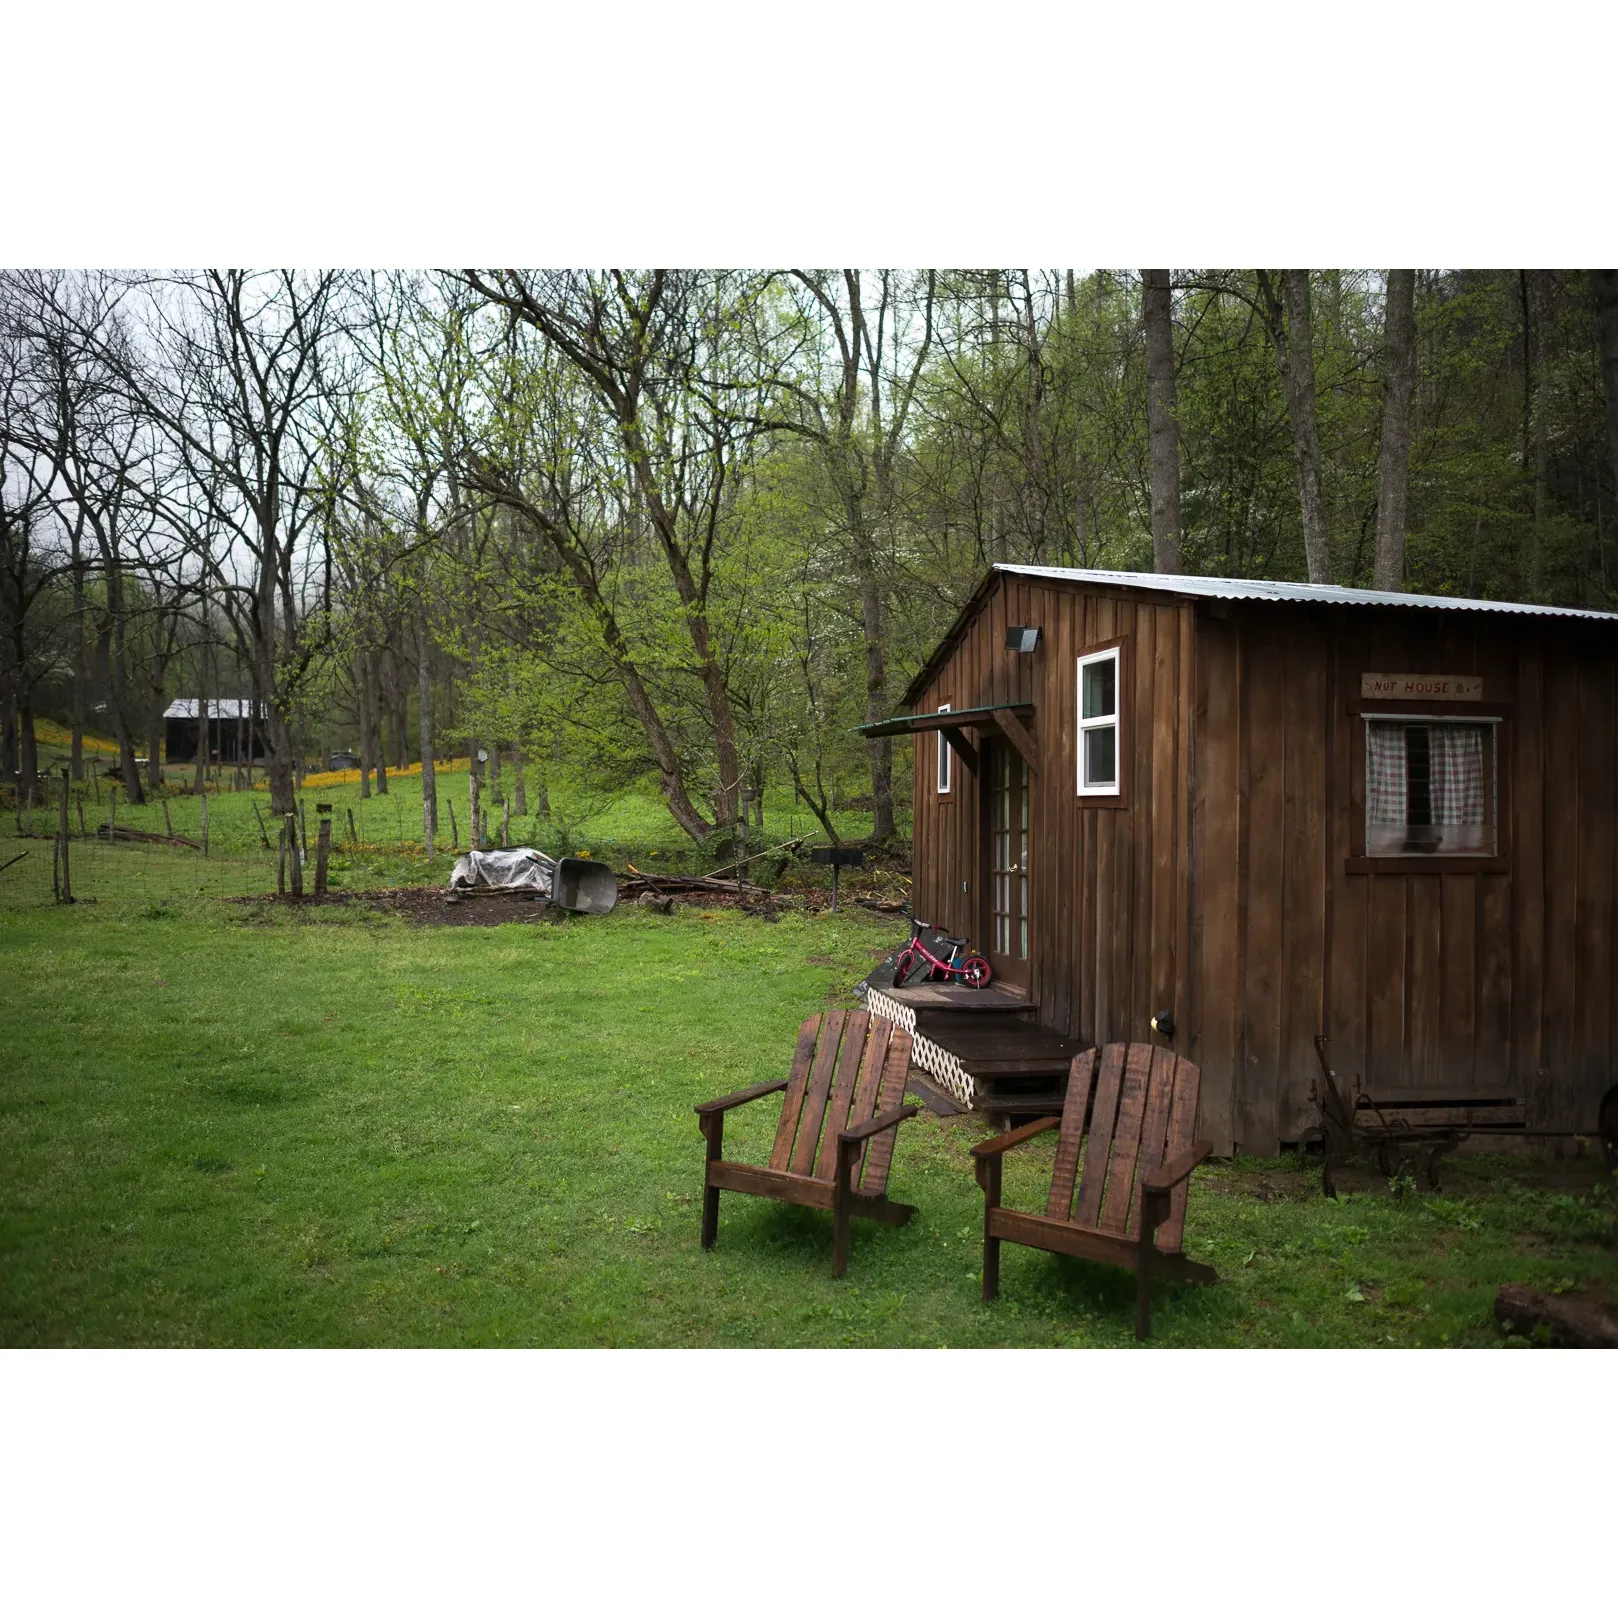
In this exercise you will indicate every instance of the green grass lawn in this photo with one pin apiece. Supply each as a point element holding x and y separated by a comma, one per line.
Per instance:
<point>225,1124</point>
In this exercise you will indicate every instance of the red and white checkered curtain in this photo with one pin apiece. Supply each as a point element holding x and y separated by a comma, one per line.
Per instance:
<point>1386,775</point>
<point>1457,774</point>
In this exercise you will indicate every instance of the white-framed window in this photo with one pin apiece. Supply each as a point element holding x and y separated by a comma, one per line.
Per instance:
<point>1430,786</point>
<point>944,755</point>
<point>1101,739</point>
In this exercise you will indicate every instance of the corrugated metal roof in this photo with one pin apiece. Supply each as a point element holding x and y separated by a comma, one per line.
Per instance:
<point>218,708</point>
<point>1192,584</point>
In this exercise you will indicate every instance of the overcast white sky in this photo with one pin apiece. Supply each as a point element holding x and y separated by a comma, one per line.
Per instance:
<point>721,132</point>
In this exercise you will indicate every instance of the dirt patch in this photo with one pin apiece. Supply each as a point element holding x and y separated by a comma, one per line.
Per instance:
<point>425,907</point>
<point>432,907</point>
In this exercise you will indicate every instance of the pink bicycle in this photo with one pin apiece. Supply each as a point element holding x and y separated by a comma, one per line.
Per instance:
<point>971,969</point>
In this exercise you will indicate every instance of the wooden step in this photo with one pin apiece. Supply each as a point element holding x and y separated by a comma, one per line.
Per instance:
<point>988,1067</point>
<point>932,1096</point>
<point>953,997</point>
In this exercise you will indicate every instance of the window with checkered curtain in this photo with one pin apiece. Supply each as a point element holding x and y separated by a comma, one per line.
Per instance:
<point>1428,788</point>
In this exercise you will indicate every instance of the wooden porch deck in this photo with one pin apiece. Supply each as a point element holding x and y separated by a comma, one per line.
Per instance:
<point>1015,1067</point>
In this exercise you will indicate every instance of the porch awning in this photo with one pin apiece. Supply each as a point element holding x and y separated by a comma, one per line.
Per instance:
<point>1006,718</point>
<point>903,724</point>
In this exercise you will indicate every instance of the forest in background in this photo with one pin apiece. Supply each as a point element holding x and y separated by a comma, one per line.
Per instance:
<point>691,527</point>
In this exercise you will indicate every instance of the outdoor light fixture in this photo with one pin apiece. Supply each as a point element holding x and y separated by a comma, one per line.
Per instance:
<point>1021,638</point>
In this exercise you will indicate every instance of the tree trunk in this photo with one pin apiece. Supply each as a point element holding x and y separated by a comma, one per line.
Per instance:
<point>1536,573</point>
<point>80,671</point>
<point>1399,380</point>
<point>28,752</point>
<point>1294,352</point>
<point>519,786</point>
<point>283,789</point>
<point>109,644</point>
<point>362,700</point>
<point>1162,427</point>
<point>1604,285</point>
<point>9,740</point>
<point>1604,290</point>
<point>400,710</point>
<point>1566,1322</point>
<point>1034,503</point>
<point>876,702</point>
<point>200,784</point>
<point>429,781</point>
<point>378,730</point>
<point>154,748</point>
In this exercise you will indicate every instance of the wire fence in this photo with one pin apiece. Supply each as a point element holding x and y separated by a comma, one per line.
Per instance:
<point>227,843</point>
<point>174,850</point>
<point>33,872</point>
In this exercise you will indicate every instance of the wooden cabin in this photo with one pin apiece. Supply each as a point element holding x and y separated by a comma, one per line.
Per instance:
<point>235,731</point>
<point>1261,811</point>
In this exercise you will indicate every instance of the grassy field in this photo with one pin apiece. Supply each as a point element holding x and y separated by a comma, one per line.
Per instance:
<point>227,1124</point>
<point>637,820</point>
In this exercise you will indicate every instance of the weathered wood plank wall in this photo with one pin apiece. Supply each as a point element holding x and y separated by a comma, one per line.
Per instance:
<point>1220,891</point>
<point>1471,980</point>
<point>1111,901</point>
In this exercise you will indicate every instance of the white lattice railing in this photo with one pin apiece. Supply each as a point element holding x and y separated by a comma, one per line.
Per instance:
<point>930,1057</point>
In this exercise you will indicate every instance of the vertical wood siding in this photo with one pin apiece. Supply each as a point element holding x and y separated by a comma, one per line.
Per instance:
<point>1468,980</point>
<point>1220,891</point>
<point>1110,921</point>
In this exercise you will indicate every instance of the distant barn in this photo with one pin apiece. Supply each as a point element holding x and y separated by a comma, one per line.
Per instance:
<point>235,731</point>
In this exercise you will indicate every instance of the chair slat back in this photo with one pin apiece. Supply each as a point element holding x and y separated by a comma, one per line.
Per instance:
<point>792,1104</point>
<point>1144,1113</point>
<point>1081,1078</point>
<point>893,1068</point>
<point>847,1068</point>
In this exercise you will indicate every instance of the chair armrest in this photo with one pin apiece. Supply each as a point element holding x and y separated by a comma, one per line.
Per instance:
<point>1014,1137</point>
<point>739,1097</point>
<point>875,1126</point>
<point>1177,1169</point>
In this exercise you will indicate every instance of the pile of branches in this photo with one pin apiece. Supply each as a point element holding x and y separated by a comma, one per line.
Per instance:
<point>636,883</point>
<point>128,834</point>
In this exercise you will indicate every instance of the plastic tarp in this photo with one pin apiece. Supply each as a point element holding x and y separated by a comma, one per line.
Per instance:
<point>504,868</point>
<point>587,886</point>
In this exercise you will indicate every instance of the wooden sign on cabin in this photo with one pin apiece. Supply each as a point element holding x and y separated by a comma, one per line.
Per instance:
<point>1423,687</point>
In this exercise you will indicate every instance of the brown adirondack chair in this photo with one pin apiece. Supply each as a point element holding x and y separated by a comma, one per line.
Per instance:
<point>834,1144</point>
<point>1130,1208</point>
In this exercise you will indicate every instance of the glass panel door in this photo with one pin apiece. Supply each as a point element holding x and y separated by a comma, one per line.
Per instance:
<point>1009,851</point>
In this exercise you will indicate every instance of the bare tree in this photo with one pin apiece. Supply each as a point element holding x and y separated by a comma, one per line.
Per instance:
<point>1163,431</point>
<point>237,370</point>
<point>97,452</point>
<point>30,564</point>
